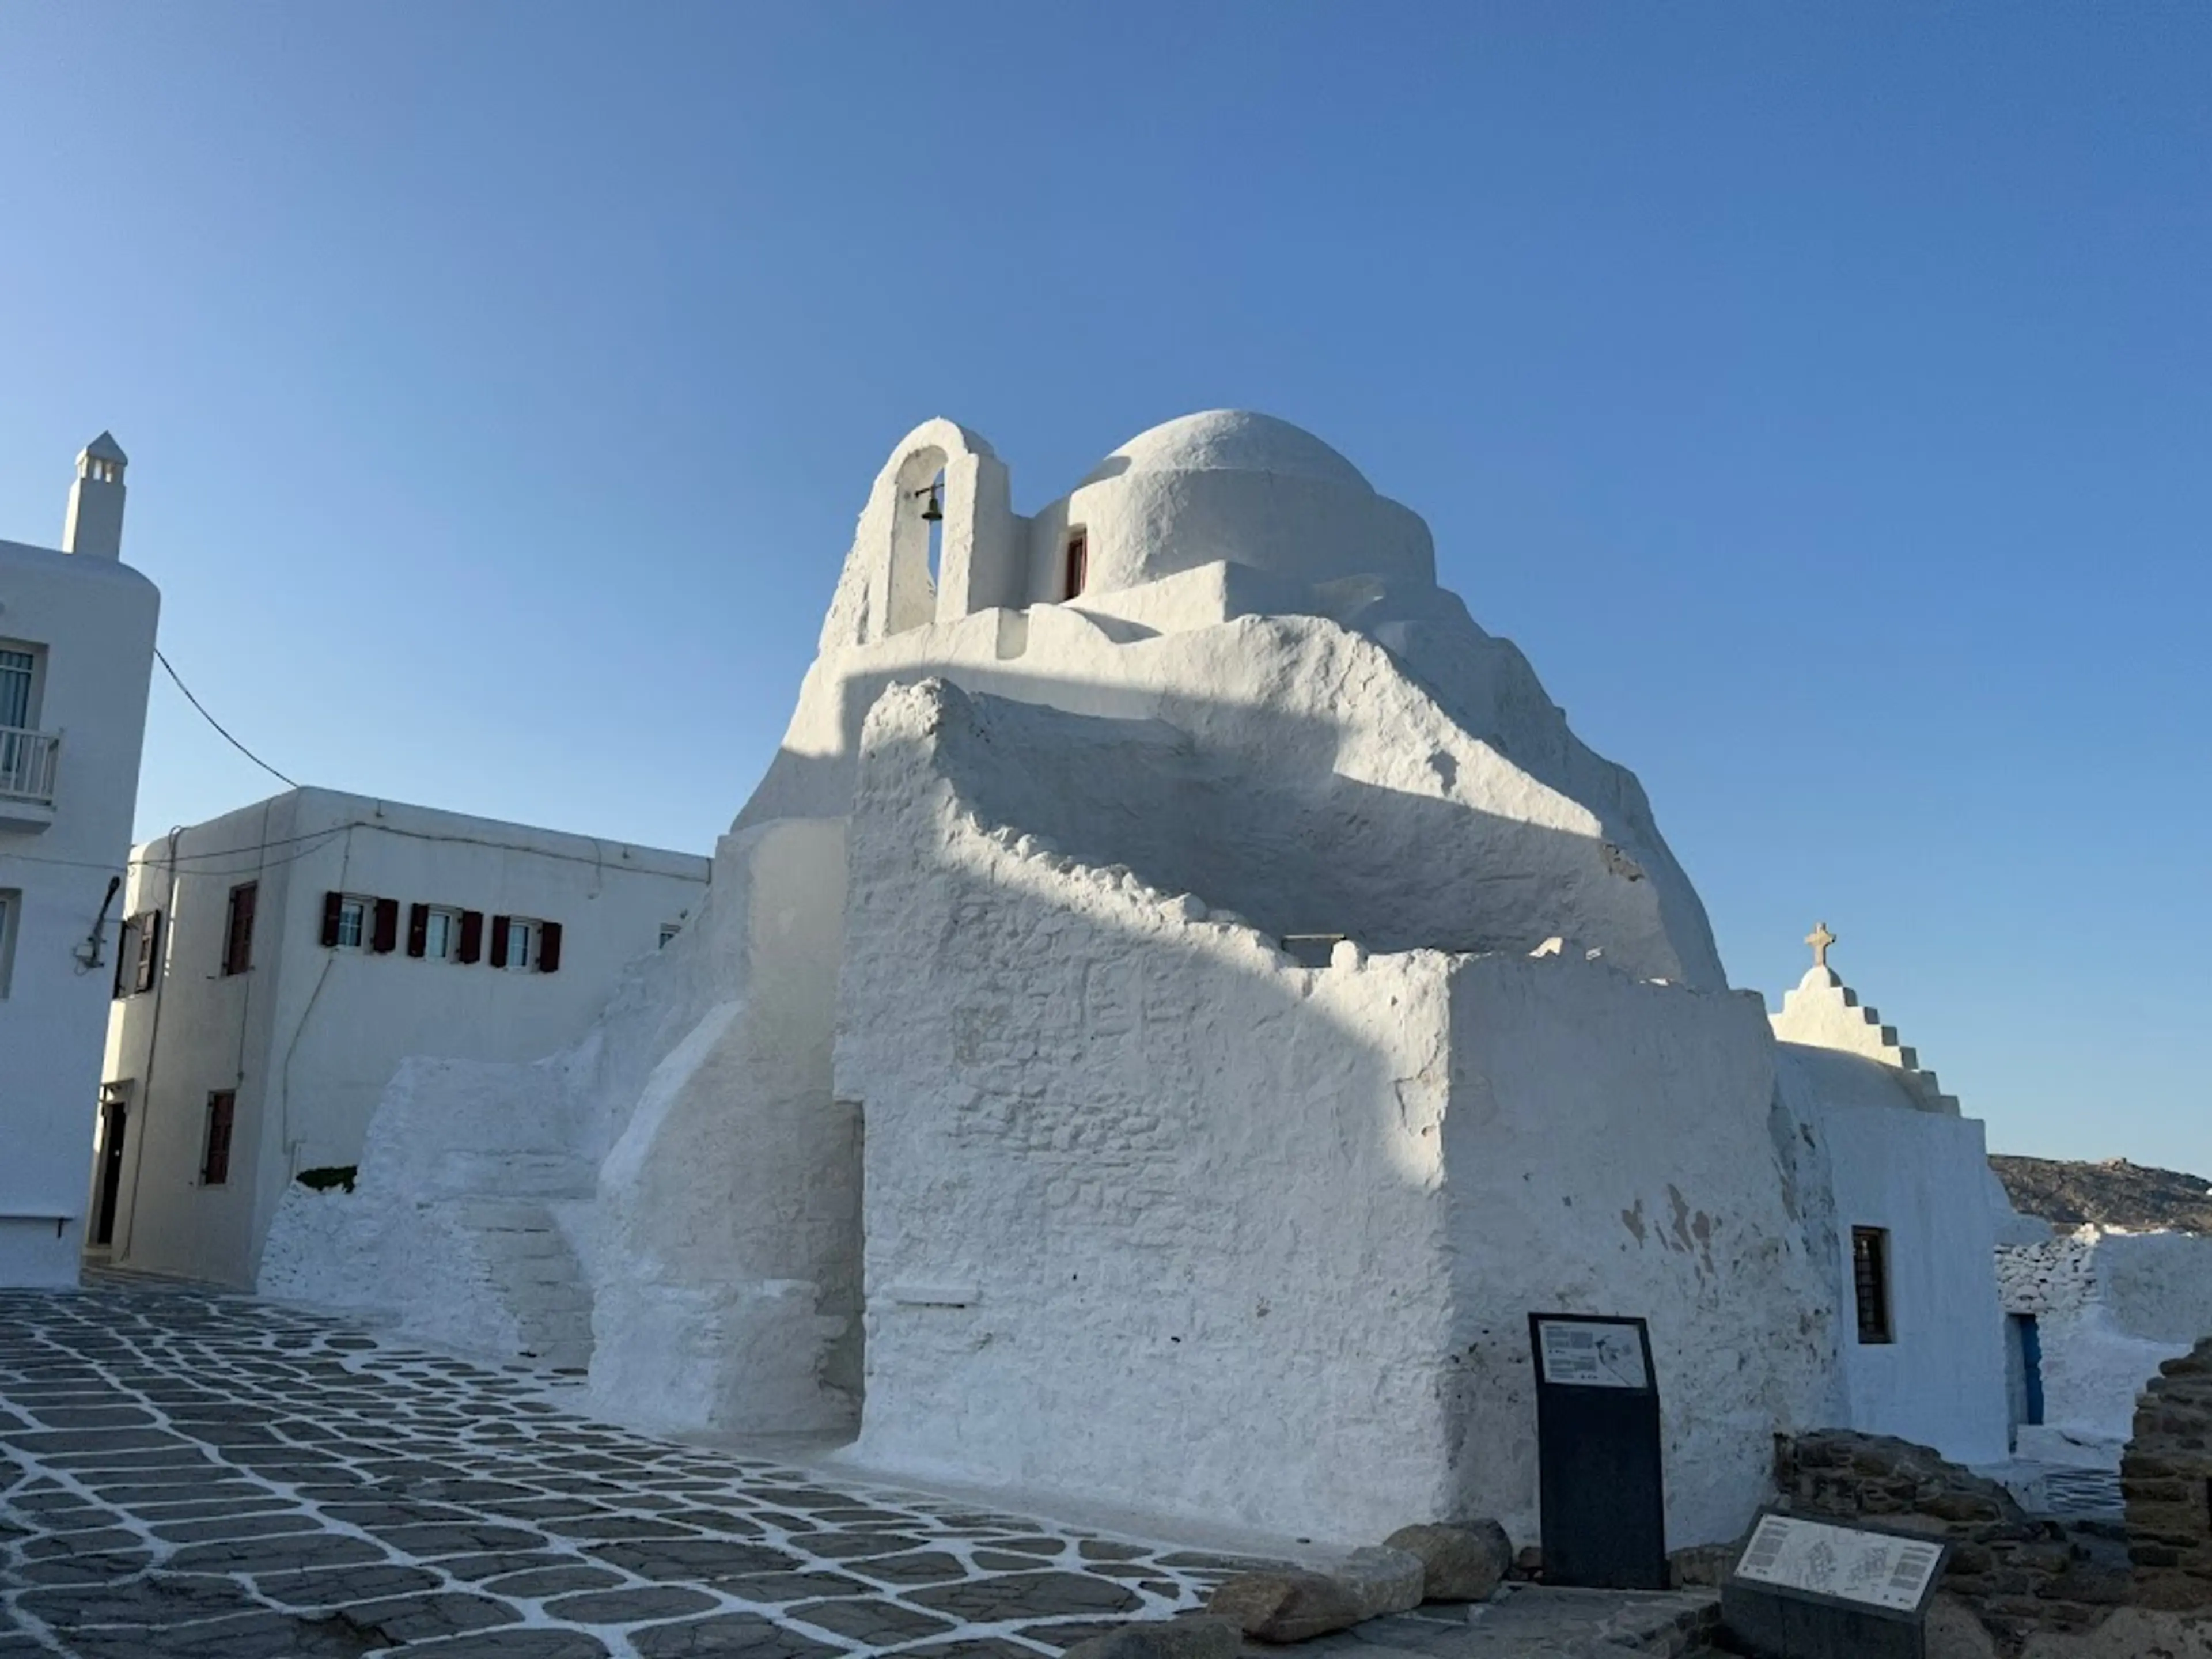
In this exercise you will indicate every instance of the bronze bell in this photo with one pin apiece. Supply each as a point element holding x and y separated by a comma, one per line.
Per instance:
<point>931,512</point>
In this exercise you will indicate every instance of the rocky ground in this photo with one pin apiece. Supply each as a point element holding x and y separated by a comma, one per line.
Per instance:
<point>2116,1193</point>
<point>206,1476</point>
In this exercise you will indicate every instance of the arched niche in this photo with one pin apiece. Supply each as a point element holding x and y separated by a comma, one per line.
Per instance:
<point>976,566</point>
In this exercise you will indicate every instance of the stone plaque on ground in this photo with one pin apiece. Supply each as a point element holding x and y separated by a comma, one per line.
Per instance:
<point>1812,1589</point>
<point>1597,1452</point>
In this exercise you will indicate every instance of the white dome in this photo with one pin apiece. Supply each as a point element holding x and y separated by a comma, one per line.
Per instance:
<point>1231,441</point>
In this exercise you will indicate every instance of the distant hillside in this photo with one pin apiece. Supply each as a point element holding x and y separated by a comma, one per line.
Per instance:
<point>2117,1194</point>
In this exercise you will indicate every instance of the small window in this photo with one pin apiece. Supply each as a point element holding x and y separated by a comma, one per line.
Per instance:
<point>215,1161</point>
<point>521,945</point>
<point>441,935</point>
<point>353,922</point>
<point>1076,567</point>
<point>238,929</point>
<point>11,912</point>
<point>1871,1283</point>
<point>669,930</point>
<point>19,670</point>
<point>146,955</point>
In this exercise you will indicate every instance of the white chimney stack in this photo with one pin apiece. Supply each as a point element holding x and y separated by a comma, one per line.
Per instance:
<point>95,508</point>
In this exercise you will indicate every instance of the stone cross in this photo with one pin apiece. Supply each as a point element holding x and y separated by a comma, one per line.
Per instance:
<point>1819,939</point>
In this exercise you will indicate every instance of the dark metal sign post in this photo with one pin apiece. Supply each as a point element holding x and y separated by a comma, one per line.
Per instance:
<point>1597,1452</point>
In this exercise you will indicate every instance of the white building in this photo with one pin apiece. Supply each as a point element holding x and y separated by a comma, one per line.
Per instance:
<point>76,647</point>
<point>1917,1218</point>
<point>280,962</point>
<point>2092,1313</point>
<point>1181,998</point>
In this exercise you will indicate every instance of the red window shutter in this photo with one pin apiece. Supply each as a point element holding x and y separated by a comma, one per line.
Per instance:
<point>549,947</point>
<point>418,929</point>
<point>332,904</point>
<point>386,938</point>
<point>471,935</point>
<point>499,940</point>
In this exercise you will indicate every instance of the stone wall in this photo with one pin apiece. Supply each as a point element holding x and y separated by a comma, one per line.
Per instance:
<point>2019,1574</point>
<point>2167,1480</point>
<point>2110,1306</point>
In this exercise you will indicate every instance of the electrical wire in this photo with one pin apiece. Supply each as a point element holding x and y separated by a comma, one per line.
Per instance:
<point>597,859</point>
<point>217,724</point>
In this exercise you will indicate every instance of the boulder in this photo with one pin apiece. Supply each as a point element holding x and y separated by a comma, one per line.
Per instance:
<point>1172,1638</point>
<point>1701,1567</point>
<point>1953,1633</point>
<point>1285,1607</point>
<point>1385,1580</point>
<point>1461,1562</point>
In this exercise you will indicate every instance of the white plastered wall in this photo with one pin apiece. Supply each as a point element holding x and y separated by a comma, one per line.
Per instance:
<point>1365,776</point>
<point>1617,1147</point>
<point>1922,1177</point>
<point>310,1037</point>
<point>728,1252</point>
<point>1133,1177</point>
<point>2110,1308</point>
<point>90,622</point>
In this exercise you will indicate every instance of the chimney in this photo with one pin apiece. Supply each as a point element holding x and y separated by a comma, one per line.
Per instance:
<point>95,508</point>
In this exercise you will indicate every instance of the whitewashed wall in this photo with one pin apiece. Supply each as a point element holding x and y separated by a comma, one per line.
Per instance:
<point>310,1035</point>
<point>2110,1308</point>
<point>1134,1176</point>
<point>93,620</point>
<point>1154,1215</point>
<point>1613,1146</point>
<point>1150,1211</point>
<point>1922,1175</point>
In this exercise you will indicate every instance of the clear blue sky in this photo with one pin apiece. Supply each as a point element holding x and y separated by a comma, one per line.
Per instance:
<point>1822,396</point>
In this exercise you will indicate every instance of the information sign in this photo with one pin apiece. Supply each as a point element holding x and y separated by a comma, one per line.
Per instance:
<point>1597,1453</point>
<point>1815,1590</point>
<point>1591,1354</point>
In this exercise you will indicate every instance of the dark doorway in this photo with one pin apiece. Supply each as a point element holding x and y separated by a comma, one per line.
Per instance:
<point>2023,1371</point>
<point>115,1116</point>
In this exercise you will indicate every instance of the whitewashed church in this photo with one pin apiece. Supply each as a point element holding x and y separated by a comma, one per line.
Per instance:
<point>1179,1000</point>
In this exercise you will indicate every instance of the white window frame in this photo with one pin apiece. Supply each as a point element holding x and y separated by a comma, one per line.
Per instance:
<point>11,922</point>
<point>525,961</point>
<point>362,911</point>
<point>438,915</point>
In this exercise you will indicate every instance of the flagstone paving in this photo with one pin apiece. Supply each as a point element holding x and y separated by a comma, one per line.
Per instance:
<point>190,1473</point>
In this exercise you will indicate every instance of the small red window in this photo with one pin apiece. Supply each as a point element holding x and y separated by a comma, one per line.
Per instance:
<point>215,1161</point>
<point>1078,563</point>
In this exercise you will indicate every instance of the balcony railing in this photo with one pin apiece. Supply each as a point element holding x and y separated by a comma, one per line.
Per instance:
<point>27,765</point>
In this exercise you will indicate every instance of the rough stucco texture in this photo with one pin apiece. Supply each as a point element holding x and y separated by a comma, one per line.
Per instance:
<point>1087,1233</point>
<point>1613,1146</point>
<point>1092,1247</point>
<point>2109,1308</point>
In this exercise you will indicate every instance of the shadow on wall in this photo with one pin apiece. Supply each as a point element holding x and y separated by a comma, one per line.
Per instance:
<point>1155,1215</point>
<point>1265,825</point>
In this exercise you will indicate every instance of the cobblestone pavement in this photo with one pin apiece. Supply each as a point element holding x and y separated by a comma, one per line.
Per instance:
<point>189,1473</point>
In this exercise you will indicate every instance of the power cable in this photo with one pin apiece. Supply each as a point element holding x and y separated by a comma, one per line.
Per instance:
<point>217,724</point>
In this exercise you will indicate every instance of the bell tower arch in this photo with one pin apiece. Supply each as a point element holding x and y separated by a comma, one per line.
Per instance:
<point>940,477</point>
